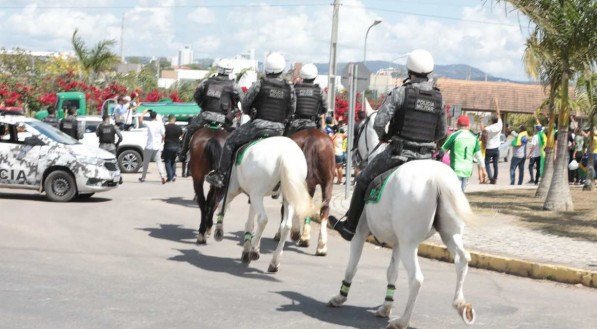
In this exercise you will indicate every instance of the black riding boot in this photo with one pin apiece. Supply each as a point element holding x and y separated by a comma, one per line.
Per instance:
<point>348,227</point>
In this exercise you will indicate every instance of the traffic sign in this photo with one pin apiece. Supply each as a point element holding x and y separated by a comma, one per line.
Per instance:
<point>363,73</point>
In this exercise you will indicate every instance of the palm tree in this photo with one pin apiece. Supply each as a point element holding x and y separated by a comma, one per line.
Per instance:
<point>96,60</point>
<point>563,35</point>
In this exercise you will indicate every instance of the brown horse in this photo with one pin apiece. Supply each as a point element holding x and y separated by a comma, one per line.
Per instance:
<point>206,148</point>
<point>319,152</point>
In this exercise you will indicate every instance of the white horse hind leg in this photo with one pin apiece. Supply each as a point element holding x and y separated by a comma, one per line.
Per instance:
<point>408,255</point>
<point>306,236</point>
<point>257,205</point>
<point>456,248</point>
<point>249,228</point>
<point>385,310</point>
<point>284,229</point>
<point>356,249</point>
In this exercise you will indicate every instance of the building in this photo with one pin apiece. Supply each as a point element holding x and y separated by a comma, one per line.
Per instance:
<point>184,57</point>
<point>170,77</point>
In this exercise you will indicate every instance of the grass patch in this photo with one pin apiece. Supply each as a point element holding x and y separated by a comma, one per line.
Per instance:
<point>581,223</point>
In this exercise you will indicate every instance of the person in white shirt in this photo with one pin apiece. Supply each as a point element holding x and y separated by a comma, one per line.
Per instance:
<point>492,148</point>
<point>155,143</point>
<point>535,156</point>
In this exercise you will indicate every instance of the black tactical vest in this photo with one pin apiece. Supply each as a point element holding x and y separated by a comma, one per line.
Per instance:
<point>273,101</point>
<point>419,115</point>
<point>106,133</point>
<point>69,126</point>
<point>217,95</point>
<point>52,120</point>
<point>308,101</point>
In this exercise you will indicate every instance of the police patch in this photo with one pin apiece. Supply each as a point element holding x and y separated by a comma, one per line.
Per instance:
<point>214,91</point>
<point>276,93</point>
<point>305,92</point>
<point>424,105</point>
<point>106,130</point>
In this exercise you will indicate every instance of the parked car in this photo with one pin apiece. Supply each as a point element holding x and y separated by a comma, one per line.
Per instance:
<point>130,151</point>
<point>37,156</point>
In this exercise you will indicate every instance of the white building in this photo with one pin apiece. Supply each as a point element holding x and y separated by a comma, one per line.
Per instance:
<point>185,56</point>
<point>170,77</point>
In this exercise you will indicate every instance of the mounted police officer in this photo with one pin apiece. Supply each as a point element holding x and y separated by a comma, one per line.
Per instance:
<point>310,106</point>
<point>416,119</point>
<point>70,126</point>
<point>107,132</point>
<point>52,119</point>
<point>218,97</point>
<point>271,103</point>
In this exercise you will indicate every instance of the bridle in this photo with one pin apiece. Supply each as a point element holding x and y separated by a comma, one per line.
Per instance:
<point>359,157</point>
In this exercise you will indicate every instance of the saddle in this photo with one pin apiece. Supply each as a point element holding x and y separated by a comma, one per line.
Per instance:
<point>240,153</point>
<point>376,187</point>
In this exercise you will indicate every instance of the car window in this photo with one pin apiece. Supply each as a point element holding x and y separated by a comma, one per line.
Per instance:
<point>14,133</point>
<point>4,132</point>
<point>52,133</point>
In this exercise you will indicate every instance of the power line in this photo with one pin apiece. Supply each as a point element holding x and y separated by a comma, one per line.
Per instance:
<point>174,6</point>
<point>428,15</point>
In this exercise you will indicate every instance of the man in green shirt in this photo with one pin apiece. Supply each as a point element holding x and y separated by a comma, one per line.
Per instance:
<point>464,147</point>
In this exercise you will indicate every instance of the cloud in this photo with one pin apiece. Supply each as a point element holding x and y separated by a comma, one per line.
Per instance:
<point>202,16</point>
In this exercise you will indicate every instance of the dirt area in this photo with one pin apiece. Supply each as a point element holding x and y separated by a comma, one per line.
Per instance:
<point>581,223</point>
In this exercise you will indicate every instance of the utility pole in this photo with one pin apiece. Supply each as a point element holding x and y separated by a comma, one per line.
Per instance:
<point>122,38</point>
<point>332,66</point>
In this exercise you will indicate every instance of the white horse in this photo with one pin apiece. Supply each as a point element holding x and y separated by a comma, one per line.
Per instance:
<point>420,198</point>
<point>264,165</point>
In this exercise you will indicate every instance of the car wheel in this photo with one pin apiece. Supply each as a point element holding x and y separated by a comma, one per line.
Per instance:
<point>85,196</point>
<point>129,161</point>
<point>60,186</point>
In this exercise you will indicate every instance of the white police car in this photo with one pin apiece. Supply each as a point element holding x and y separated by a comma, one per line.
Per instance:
<point>36,156</point>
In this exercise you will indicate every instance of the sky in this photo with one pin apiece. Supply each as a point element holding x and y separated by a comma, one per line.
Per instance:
<point>480,33</point>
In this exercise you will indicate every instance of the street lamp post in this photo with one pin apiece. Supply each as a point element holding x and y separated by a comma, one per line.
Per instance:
<point>377,21</point>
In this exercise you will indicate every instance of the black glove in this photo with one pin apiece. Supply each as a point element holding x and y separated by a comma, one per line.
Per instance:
<point>385,138</point>
<point>440,155</point>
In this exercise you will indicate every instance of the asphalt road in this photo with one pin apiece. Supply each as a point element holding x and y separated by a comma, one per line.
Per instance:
<point>127,259</point>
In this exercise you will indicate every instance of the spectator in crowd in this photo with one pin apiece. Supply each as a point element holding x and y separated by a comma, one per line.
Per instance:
<point>519,154</point>
<point>329,126</point>
<point>464,148</point>
<point>155,140</point>
<point>481,171</point>
<point>107,133</point>
<point>579,147</point>
<point>52,119</point>
<point>171,147</point>
<point>120,113</point>
<point>571,148</point>
<point>338,140</point>
<point>535,155</point>
<point>492,148</point>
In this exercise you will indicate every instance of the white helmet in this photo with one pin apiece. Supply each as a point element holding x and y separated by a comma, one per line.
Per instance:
<point>419,61</point>
<point>224,67</point>
<point>308,72</point>
<point>275,63</point>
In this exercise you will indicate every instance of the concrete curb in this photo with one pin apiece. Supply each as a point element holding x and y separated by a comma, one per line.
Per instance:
<point>512,266</point>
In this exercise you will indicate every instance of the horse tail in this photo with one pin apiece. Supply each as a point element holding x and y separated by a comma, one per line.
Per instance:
<point>294,188</point>
<point>452,202</point>
<point>213,151</point>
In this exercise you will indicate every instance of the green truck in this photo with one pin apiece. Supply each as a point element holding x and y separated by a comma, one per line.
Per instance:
<point>165,107</point>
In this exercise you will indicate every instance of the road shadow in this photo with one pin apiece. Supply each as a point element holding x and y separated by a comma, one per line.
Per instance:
<point>171,232</point>
<point>268,245</point>
<point>180,201</point>
<point>221,265</point>
<point>346,316</point>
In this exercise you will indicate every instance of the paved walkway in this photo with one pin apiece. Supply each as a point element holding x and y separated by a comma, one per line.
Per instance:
<point>500,235</point>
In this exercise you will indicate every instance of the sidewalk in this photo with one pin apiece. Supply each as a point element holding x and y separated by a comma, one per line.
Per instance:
<point>501,236</point>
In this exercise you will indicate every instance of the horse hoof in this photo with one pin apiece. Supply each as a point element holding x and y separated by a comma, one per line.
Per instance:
<point>337,301</point>
<point>303,243</point>
<point>245,258</point>
<point>208,232</point>
<point>272,268</point>
<point>295,235</point>
<point>321,253</point>
<point>277,237</point>
<point>467,313</point>
<point>219,234</point>
<point>200,242</point>
<point>384,311</point>
<point>254,255</point>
